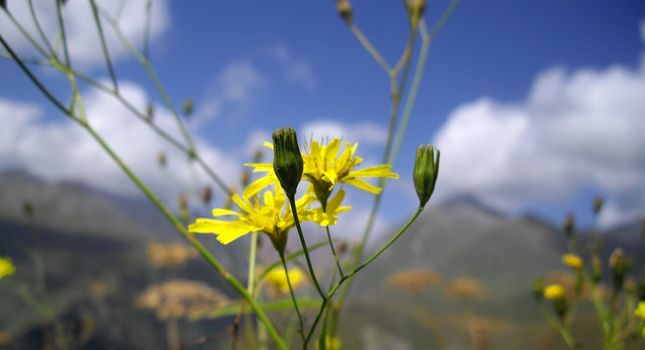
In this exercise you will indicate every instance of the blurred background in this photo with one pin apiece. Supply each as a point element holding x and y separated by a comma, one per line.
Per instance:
<point>538,107</point>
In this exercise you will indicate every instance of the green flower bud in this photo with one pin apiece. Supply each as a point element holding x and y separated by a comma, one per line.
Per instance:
<point>560,307</point>
<point>162,159</point>
<point>426,172</point>
<point>188,107</point>
<point>287,159</point>
<point>3,4</point>
<point>344,9</point>
<point>597,205</point>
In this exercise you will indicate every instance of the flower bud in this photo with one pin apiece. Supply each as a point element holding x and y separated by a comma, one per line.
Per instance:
<point>3,4</point>
<point>188,107</point>
<point>287,159</point>
<point>245,178</point>
<point>426,172</point>
<point>344,9</point>
<point>207,194</point>
<point>416,7</point>
<point>597,205</point>
<point>28,209</point>
<point>617,265</point>
<point>569,225</point>
<point>279,242</point>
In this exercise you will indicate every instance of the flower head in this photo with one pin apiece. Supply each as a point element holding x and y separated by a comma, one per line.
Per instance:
<point>277,279</point>
<point>572,260</point>
<point>554,292</point>
<point>640,310</point>
<point>324,167</point>
<point>7,268</point>
<point>269,216</point>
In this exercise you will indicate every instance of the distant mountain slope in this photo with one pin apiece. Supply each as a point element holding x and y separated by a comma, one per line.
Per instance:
<point>69,208</point>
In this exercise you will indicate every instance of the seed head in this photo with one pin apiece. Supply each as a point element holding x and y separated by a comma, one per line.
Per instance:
<point>345,12</point>
<point>426,172</point>
<point>287,159</point>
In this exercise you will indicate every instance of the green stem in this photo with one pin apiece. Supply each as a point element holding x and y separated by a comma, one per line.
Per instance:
<point>301,321</point>
<point>294,211</point>
<point>106,53</point>
<point>333,250</point>
<point>27,35</point>
<point>369,47</point>
<point>59,16</point>
<point>40,29</point>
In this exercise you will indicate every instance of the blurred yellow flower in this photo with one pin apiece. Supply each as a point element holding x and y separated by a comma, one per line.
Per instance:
<point>7,268</point>
<point>331,343</point>
<point>277,279</point>
<point>572,260</point>
<point>324,168</point>
<point>270,217</point>
<point>640,310</point>
<point>554,292</point>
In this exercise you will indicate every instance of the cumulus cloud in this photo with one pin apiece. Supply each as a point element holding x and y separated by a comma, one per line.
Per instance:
<point>297,70</point>
<point>234,86</point>
<point>61,150</point>
<point>575,130</point>
<point>82,35</point>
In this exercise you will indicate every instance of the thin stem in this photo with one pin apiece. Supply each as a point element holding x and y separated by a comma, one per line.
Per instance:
<point>106,53</point>
<point>376,55</point>
<point>294,211</point>
<point>252,260</point>
<point>333,250</point>
<point>301,321</point>
<point>146,40</point>
<point>40,29</point>
<point>27,35</point>
<point>61,25</point>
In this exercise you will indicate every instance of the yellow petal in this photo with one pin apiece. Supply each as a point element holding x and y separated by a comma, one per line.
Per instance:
<point>363,185</point>
<point>336,201</point>
<point>258,185</point>
<point>268,144</point>
<point>384,170</point>
<point>224,212</point>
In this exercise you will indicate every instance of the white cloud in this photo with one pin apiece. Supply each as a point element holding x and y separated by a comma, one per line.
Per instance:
<point>366,133</point>
<point>297,70</point>
<point>234,86</point>
<point>83,40</point>
<point>61,150</point>
<point>575,130</point>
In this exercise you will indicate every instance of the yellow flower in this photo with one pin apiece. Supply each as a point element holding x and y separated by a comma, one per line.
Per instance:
<point>572,260</point>
<point>324,168</point>
<point>278,279</point>
<point>332,343</point>
<point>554,292</point>
<point>640,310</point>
<point>7,268</point>
<point>271,217</point>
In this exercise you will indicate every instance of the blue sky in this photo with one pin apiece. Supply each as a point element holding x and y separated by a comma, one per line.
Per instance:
<point>255,65</point>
